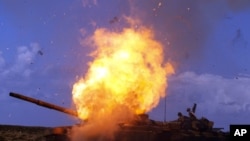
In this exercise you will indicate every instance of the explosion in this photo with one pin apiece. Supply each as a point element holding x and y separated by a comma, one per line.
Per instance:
<point>126,77</point>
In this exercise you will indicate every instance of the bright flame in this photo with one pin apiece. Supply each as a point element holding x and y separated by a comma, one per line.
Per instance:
<point>127,71</point>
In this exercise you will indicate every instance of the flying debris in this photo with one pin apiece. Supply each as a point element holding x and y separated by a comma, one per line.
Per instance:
<point>40,52</point>
<point>159,4</point>
<point>114,20</point>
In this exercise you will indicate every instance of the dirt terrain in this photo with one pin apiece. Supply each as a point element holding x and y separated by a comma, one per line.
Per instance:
<point>27,133</point>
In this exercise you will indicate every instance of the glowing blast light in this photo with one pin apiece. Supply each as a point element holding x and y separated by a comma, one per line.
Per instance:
<point>127,72</point>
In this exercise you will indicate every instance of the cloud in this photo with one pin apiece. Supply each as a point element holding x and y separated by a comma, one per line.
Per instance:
<point>25,57</point>
<point>12,74</point>
<point>213,91</point>
<point>88,3</point>
<point>225,100</point>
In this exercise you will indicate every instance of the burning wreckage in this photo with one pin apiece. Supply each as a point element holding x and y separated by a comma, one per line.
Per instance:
<point>185,128</point>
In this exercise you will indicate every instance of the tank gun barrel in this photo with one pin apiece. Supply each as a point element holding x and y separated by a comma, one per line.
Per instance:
<point>44,104</point>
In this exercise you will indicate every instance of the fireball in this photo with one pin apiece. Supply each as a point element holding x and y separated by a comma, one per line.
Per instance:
<point>127,74</point>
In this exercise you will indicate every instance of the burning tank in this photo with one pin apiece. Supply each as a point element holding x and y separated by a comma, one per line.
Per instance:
<point>142,128</point>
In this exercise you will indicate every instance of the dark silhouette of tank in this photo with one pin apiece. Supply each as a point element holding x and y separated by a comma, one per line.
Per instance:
<point>185,128</point>
<point>141,128</point>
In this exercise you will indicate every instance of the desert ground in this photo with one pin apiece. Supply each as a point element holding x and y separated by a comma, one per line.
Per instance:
<point>28,133</point>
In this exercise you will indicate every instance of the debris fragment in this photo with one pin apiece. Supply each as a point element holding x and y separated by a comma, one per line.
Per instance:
<point>40,52</point>
<point>114,20</point>
<point>159,4</point>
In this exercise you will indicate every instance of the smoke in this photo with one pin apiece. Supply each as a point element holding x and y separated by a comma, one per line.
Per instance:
<point>184,26</point>
<point>101,127</point>
<point>181,25</point>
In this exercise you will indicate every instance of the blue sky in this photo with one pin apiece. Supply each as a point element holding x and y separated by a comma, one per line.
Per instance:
<point>208,42</point>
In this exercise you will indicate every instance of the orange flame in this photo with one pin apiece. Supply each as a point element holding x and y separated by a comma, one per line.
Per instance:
<point>127,71</point>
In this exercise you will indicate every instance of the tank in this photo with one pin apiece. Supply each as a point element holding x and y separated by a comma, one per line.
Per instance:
<point>184,128</point>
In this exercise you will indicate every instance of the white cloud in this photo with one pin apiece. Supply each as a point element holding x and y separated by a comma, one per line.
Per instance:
<point>225,100</point>
<point>216,92</point>
<point>13,73</point>
<point>24,58</point>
